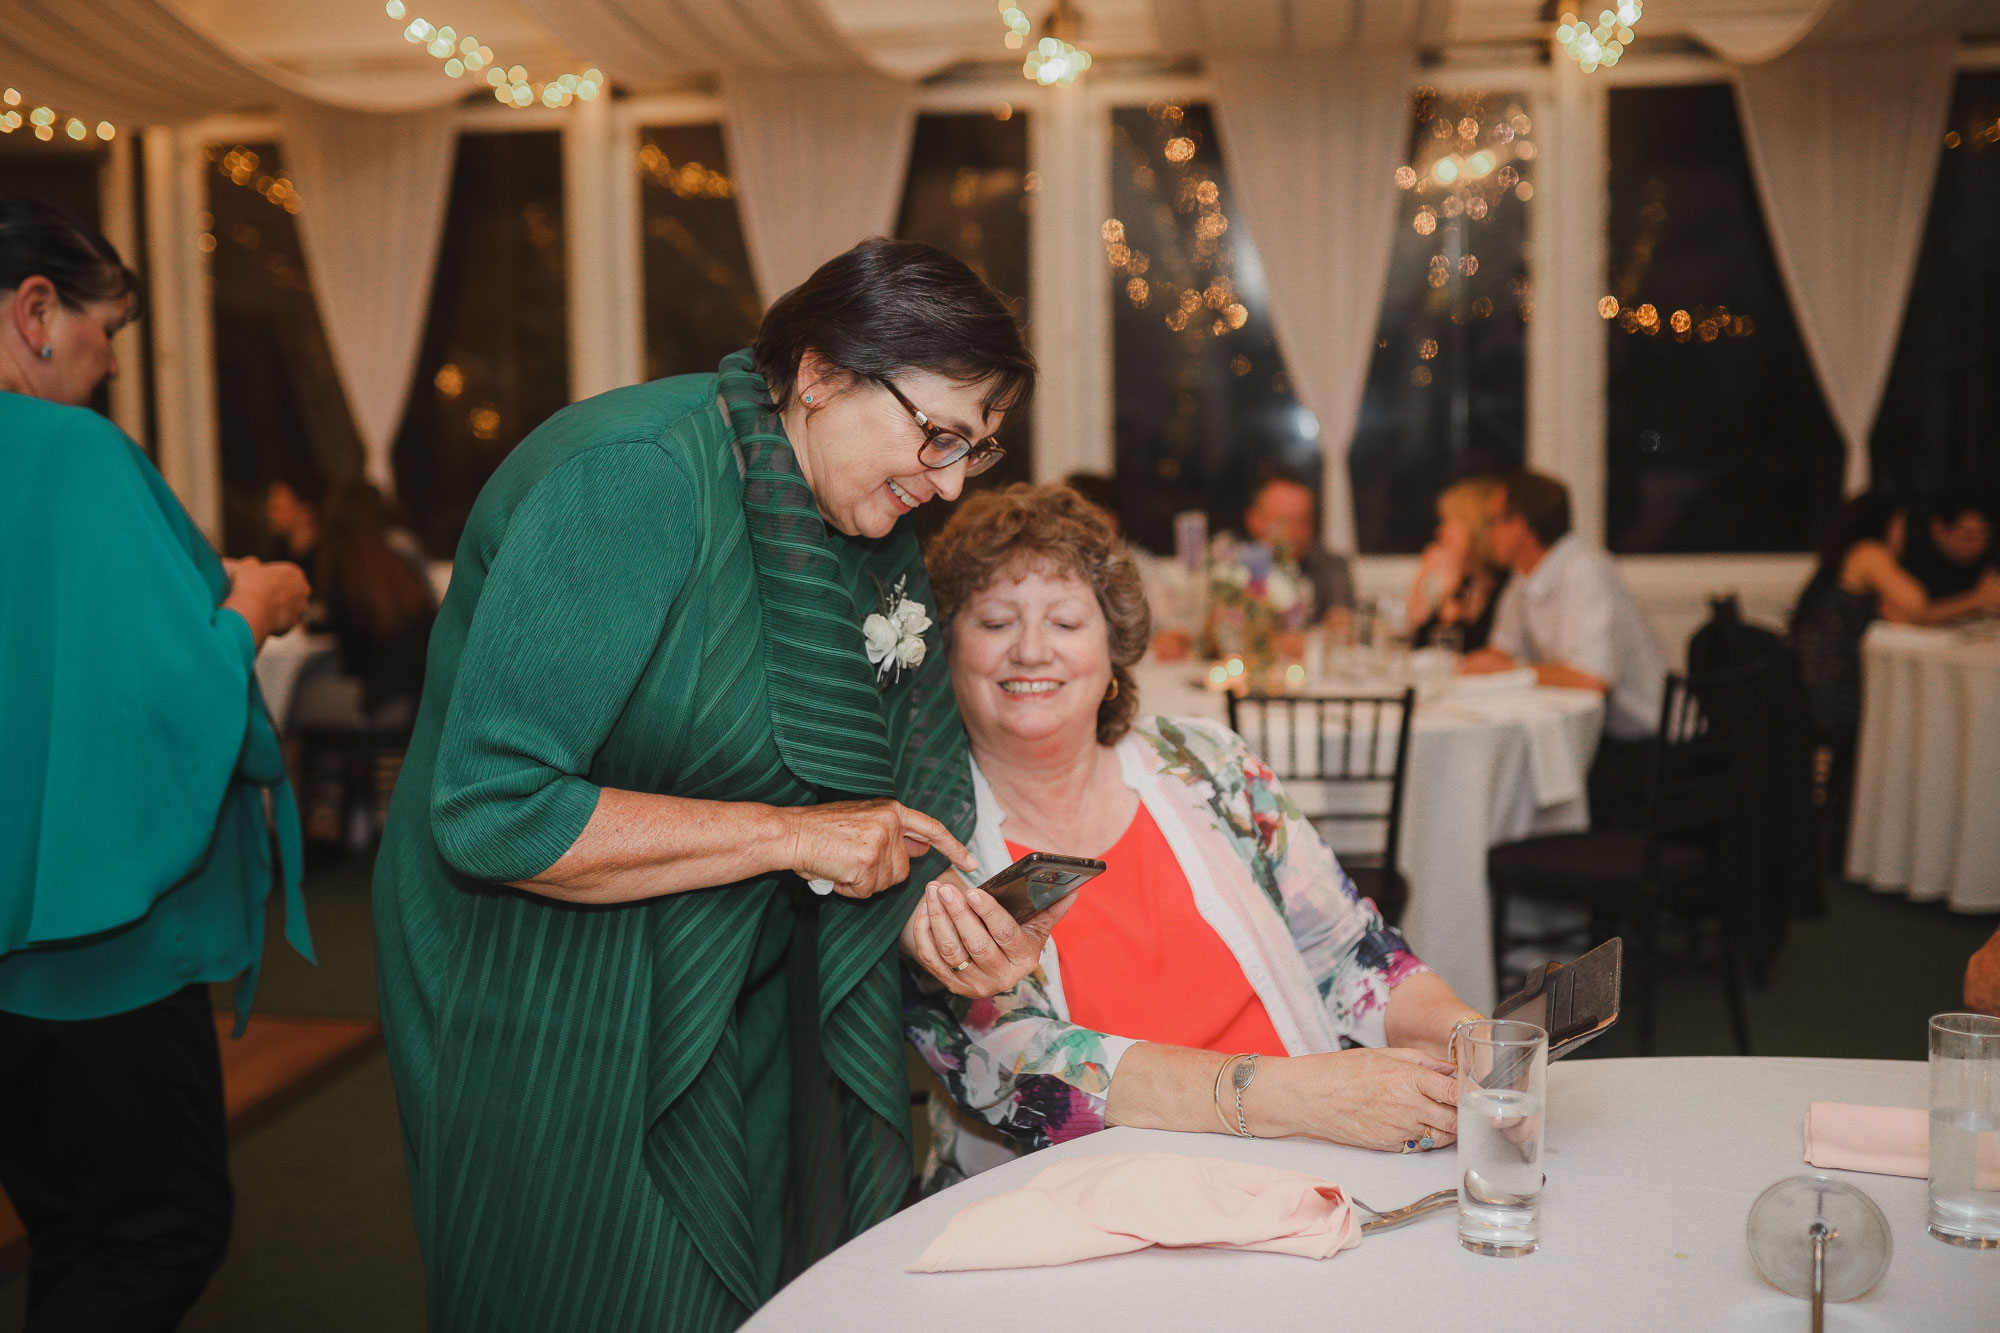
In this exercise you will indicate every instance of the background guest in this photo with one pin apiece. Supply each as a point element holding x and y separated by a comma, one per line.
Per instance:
<point>1282,515</point>
<point>1458,581</point>
<point>378,600</point>
<point>1568,614</point>
<point>134,853</point>
<point>1951,550</point>
<point>1859,577</point>
<point>1147,988</point>
<point>1982,978</point>
<point>291,516</point>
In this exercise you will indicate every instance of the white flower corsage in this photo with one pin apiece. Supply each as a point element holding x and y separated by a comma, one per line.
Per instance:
<point>894,634</point>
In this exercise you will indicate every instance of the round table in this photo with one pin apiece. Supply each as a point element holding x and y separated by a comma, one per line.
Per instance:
<point>1652,1168</point>
<point>1487,765</point>
<point>1927,768</point>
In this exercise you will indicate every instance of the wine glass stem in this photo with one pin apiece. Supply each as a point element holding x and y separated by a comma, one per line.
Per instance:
<point>1819,1234</point>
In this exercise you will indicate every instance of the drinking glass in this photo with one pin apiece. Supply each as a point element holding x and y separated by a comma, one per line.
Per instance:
<point>1449,639</point>
<point>1965,1130</point>
<point>1503,1072</point>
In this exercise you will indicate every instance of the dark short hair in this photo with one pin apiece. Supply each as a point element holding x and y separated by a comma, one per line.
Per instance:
<point>1540,501</point>
<point>39,240</point>
<point>1097,488</point>
<point>1948,504</point>
<point>885,307</point>
<point>1053,528</point>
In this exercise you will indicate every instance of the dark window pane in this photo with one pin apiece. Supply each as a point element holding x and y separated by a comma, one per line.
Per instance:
<point>1940,419</point>
<point>59,176</point>
<point>1447,385</point>
<point>1719,439</point>
<point>701,303</point>
<point>967,193</point>
<point>495,360</point>
<point>280,410</point>
<point>1204,405</point>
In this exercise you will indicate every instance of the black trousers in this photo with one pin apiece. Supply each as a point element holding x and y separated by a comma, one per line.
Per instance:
<point>114,1151</point>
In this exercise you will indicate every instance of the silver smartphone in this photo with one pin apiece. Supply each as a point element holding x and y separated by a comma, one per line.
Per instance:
<point>1572,1002</point>
<point>1039,879</point>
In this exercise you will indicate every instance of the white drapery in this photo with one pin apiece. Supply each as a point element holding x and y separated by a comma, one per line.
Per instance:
<point>373,190</point>
<point>1312,143</point>
<point>1843,142</point>
<point>819,158</point>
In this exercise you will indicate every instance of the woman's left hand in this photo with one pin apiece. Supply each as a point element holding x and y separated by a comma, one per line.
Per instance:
<point>971,943</point>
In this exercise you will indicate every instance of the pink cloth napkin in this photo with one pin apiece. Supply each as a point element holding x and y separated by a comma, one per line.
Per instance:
<point>1088,1207</point>
<point>1887,1140</point>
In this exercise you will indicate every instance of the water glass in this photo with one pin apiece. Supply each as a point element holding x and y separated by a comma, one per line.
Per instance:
<point>1503,1074</point>
<point>1965,1130</point>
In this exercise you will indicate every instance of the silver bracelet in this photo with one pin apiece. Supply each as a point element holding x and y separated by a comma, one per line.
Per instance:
<point>1241,1080</point>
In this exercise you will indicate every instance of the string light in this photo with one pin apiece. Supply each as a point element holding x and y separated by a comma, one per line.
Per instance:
<point>1604,43</point>
<point>44,122</point>
<point>1053,60</point>
<point>464,54</point>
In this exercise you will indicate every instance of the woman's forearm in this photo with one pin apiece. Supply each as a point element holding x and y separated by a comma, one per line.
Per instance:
<point>1422,1009</point>
<point>638,845</point>
<point>1166,1087</point>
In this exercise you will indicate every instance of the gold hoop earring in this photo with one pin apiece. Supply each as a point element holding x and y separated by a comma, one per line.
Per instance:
<point>1111,693</point>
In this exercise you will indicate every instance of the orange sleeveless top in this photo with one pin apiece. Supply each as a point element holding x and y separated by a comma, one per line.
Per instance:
<point>1139,961</point>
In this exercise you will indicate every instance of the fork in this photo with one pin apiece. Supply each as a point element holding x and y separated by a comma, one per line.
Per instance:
<point>1405,1215</point>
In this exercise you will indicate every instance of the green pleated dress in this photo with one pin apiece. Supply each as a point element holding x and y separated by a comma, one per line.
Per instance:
<point>645,1117</point>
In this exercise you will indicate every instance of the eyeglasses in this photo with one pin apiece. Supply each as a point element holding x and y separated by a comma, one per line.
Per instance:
<point>942,448</point>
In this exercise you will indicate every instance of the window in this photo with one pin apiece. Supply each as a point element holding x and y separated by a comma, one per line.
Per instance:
<point>1447,386</point>
<point>1941,414</point>
<point>1718,437</point>
<point>701,301</point>
<point>966,193</point>
<point>1204,407</point>
<point>280,411</point>
<point>495,360</point>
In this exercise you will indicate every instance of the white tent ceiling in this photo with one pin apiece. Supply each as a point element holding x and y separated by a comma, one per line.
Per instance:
<point>350,53</point>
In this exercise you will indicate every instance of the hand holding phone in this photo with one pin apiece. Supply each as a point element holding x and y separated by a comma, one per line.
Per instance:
<point>1039,879</point>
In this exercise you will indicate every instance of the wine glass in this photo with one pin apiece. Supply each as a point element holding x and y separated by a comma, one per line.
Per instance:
<point>1819,1238</point>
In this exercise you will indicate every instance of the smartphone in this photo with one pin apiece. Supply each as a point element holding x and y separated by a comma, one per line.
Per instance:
<point>1039,879</point>
<point>1574,1003</point>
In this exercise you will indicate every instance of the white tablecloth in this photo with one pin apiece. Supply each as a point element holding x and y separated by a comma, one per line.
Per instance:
<point>1927,773</point>
<point>1652,1168</point>
<point>1480,767</point>
<point>280,663</point>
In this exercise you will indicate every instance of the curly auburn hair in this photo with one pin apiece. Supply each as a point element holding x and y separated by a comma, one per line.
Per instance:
<point>1053,530</point>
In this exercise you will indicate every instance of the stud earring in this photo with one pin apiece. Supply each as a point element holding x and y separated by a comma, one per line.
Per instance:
<point>48,351</point>
<point>808,399</point>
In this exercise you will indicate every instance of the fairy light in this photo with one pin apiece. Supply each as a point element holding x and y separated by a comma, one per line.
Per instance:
<point>1603,43</point>
<point>461,54</point>
<point>45,123</point>
<point>1053,61</point>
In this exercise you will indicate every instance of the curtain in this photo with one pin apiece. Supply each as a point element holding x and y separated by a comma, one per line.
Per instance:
<point>663,42</point>
<point>819,159</point>
<point>1844,143</point>
<point>1312,142</point>
<point>372,190</point>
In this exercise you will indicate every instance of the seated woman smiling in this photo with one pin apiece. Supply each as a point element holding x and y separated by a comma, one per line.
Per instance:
<point>1222,946</point>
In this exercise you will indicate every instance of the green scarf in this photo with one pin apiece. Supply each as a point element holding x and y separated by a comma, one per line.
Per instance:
<point>840,733</point>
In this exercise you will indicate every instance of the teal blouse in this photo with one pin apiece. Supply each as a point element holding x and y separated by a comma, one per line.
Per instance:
<point>135,751</point>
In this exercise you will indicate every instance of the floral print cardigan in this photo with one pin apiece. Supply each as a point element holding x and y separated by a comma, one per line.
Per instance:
<point>1020,1076</point>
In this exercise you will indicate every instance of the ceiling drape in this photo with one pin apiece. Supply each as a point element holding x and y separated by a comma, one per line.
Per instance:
<point>1843,131</point>
<point>372,190</point>
<point>1312,143</point>
<point>819,159</point>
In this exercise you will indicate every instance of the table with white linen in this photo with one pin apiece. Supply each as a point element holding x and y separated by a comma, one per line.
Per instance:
<point>282,661</point>
<point>1926,816</point>
<point>1652,1168</point>
<point>1486,766</point>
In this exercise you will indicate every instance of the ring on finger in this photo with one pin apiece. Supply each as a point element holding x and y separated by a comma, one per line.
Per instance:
<point>960,967</point>
<point>1424,1144</point>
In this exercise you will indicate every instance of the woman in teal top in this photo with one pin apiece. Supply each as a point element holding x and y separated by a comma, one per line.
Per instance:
<point>644,1074</point>
<point>135,760</point>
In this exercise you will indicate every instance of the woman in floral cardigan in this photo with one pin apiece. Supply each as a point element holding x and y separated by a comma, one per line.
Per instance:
<point>1222,930</point>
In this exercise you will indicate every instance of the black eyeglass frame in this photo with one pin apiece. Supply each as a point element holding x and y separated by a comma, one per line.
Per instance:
<point>978,457</point>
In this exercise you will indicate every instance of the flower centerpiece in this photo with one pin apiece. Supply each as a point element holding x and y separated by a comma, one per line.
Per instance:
<point>1259,605</point>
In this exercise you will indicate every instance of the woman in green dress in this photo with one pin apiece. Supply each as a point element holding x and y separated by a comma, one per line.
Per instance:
<point>645,1074</point>
<point>135,763</point>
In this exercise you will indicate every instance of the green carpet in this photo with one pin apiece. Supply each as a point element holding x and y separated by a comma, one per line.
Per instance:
<point>323,1234</point>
